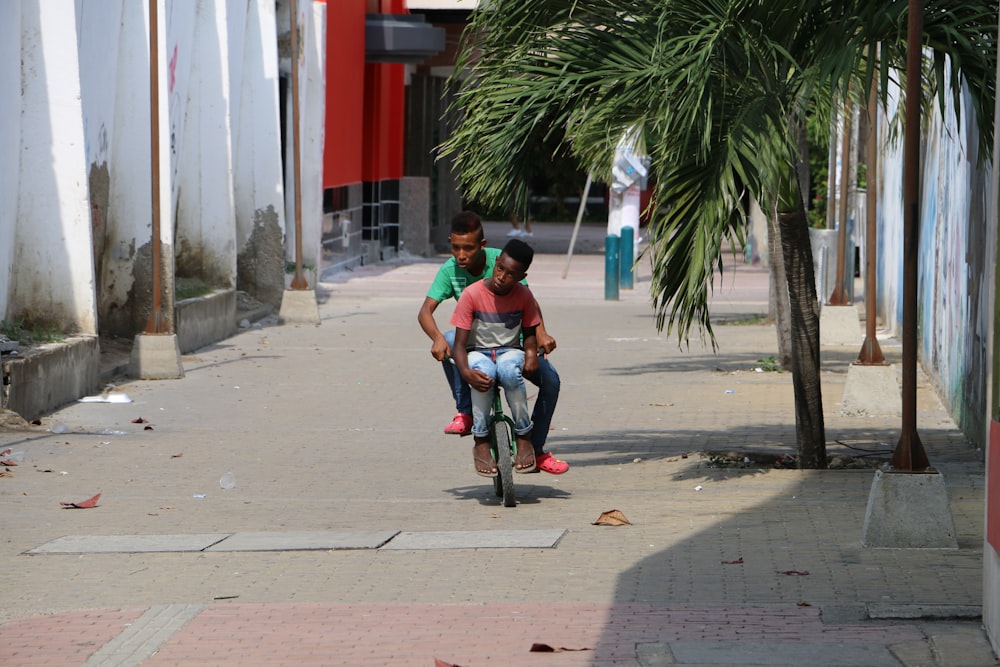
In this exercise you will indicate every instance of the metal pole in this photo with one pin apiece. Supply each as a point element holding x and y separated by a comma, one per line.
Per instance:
<point>612,245</point>
<point>871,353</point>
<point>155,324</point>
<point>909,454</point>
<point>627,252</point>
<point>831,190</point>
<point>298,281</point>
<point>839,296</point>
<point>576,227</point>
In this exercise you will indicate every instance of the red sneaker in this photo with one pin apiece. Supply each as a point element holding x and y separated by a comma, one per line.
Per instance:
<point>550,464</point>
<point>460,425</point>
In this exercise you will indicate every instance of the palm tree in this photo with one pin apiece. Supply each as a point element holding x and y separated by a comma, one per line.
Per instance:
<point>721,90</point>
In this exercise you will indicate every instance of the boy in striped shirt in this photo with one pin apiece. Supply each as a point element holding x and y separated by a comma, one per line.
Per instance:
<point>495,322</point>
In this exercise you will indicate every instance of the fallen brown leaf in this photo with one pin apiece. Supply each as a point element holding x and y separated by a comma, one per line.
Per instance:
<point>442,663</point>
<point>177,455</point>
<point>793,573</point>
<point>545,648</point>
<point>139,420</point>
<point>612,518</point>
<point>83,504</point>
<point>738,561</point>
<point>147,428</point>
<point>6,473</point>
<point>7,462</point>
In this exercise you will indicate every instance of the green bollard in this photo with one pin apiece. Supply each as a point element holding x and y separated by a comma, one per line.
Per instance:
<point>611,270</point>
<point>627,251</point>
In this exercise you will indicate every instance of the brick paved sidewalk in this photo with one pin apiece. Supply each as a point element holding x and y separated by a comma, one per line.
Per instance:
<point>337,428</point>
<point>489,634</point>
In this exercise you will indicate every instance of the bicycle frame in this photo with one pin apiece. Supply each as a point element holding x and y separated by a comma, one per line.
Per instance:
<point>503,446</point>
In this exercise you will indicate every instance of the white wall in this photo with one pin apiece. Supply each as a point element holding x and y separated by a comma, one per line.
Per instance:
<point>258,188</point>
<point>991,559</point>
<point>84,119</point>
<point>53,283</point>
<point>313,119</point>
<point>114,70</point>
<point>311,73</point>
<point>10,140</point>
<point>204,211</point>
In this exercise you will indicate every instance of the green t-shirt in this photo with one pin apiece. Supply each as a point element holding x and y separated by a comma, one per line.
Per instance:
<point>452,279</point>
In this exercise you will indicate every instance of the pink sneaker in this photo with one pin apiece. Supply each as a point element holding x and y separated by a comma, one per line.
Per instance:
<point>550,464</point>
<point>460,425</point>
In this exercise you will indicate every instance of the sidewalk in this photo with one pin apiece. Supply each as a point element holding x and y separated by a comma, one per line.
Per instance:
<point>358,534</point>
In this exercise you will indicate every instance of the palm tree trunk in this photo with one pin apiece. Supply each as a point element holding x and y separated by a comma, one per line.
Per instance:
<point>804,311</point>
<point>778,288</point>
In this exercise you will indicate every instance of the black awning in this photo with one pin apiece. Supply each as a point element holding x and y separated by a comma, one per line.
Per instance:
<point>400,38</point>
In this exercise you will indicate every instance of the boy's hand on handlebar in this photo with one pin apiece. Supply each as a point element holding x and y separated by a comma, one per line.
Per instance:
<point>546,343</point>
<point>440,350</point>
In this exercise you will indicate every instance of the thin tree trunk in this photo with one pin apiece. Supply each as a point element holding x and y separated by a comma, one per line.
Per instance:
<point>778,288</point>
<point>804,310</point>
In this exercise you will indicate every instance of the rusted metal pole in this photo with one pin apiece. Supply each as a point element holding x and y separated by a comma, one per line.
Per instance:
<point>871,353</point>
<point>839,296</point>
<point>155,324</point>
<point>298,281</point>
<point>909,454</point>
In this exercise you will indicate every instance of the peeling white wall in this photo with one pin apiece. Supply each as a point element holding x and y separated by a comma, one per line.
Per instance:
<point>114,70</point>
<point>200,128</point>
<point>76,76</point>
<point>256,120</point>
<point>54,281</point>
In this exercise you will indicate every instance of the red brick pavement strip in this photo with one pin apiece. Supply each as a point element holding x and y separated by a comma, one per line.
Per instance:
<point>61,639</point>
<point>359,635</point>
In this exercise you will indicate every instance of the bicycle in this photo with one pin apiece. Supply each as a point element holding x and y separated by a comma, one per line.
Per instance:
<point>503,447</point>
<point>502,440</point>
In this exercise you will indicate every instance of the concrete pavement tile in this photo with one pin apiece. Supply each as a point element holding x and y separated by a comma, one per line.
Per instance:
<point>794,654</point>
<point>143,638</point>
<point>884,611</point>
<point>93,544</point>
<point>654,654</point>
<point>304,540</point>
<point>476,539</point>
<point>913,653</point>
<point>961,644</point>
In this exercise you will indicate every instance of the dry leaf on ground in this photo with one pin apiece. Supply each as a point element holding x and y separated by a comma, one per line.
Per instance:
<point>83,504</point>
<point>545,648</point>
<point>612,518</point>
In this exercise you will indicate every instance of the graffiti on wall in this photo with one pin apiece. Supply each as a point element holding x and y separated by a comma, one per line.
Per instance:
<point>952,318</point>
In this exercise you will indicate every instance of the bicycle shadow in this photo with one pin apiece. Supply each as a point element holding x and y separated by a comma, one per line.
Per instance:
<point>527,494</point>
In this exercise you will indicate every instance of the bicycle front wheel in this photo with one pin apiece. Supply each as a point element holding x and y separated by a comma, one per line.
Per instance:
<point>503,453</point>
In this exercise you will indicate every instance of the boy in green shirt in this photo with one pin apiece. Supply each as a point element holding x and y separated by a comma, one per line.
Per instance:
<point>472,261</point>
